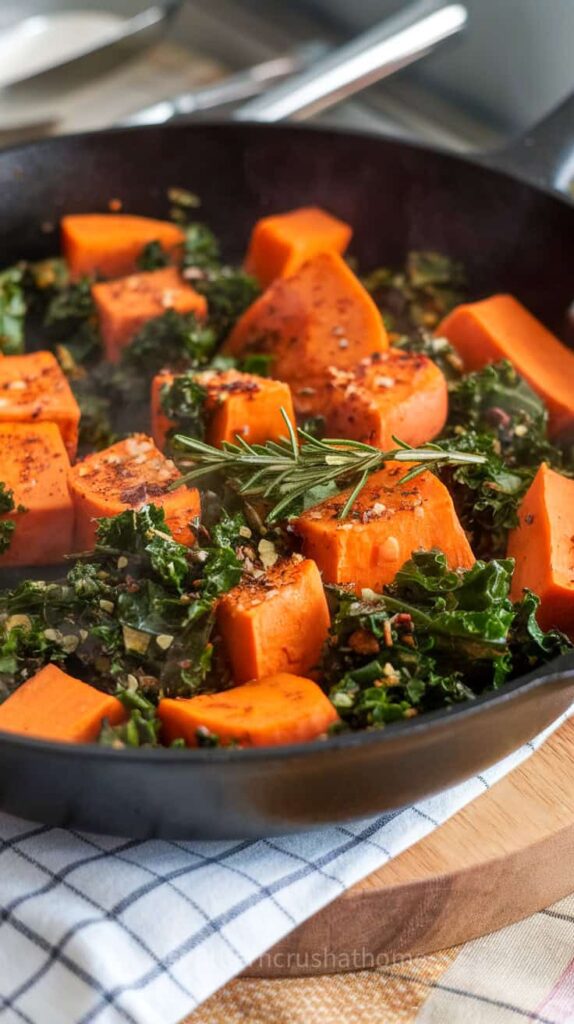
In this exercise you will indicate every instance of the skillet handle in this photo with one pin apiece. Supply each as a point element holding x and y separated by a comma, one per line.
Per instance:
<point>544,156</point>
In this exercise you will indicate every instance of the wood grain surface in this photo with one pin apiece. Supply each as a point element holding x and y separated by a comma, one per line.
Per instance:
<point>503,857</point>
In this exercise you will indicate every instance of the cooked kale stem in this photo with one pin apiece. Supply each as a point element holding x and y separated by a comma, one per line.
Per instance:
<point>287,469</point>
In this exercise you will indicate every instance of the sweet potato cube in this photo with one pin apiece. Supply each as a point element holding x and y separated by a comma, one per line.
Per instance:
<point>129,474</point>
<point>388,394</point>
<point>321,316</point>
<point>54,706</point>
<point>126,304</point>
<point>33,389</point>
<point>277,623</point>
<point>386,524</point>
<point>543,548</point>
<point>34,465</point>
<point>109,244</point>
<point>280,709</point>
<point>500,327</point>
<point>235,404</point>
<point>280,244</point>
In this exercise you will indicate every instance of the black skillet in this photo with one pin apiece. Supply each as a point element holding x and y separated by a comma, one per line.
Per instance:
<point>512,231</point>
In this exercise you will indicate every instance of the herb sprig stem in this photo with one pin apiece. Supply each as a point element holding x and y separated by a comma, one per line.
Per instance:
<point>288,469</point>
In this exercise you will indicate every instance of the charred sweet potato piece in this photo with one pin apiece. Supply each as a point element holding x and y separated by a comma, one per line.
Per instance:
<point>321,316</point>
<point>129,474</point>
<point>34,465</point>
<point>235,404</point>
<point>54,706</point>
<point>280,709</point>
<point>500,327</point>
<point>388,394</point>
<point>277,623</point>
<point>127,304</point>
<point>386,524</point>
<point>109,244</point>
<point>543,548</point>
<point>280,244</point>
<point>33,389</point>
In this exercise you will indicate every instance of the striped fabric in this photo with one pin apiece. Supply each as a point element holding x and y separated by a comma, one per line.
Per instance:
<point>101,930</point>
<point>519,974</point>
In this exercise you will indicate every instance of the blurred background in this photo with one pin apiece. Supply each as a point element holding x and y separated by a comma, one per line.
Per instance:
<point>511,66</point>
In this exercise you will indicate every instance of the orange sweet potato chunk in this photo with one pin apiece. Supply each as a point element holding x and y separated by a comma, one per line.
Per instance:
<point>386,524</point>
<point>280,244</point>
<point>125,305</point>
<point>543,548</point>
<point>109,244</point>
<point>34,465</point>
<point>33,389</point>
<point>280,709</point>
<point>277,623</point>
<point>502,328</point>
<point>236,404</point>
<point>321,316</point>
<point>388,394</point>
<point>54,706</point>
<point>129,474</point>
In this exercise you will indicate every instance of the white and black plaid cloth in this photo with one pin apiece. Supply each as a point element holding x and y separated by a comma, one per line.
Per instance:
<point>101,930</point>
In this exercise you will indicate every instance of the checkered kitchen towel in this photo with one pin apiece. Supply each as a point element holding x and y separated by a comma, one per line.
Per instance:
<point>100,930</point>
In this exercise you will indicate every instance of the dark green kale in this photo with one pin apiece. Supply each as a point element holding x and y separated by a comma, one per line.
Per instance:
<point>142,727</point>
<point>153,257</point>
<point>496,413</point>
<point>136,615</point>
<point>487,496</point>
<point>183,401</point>
<point>172,339</point>
<point>418,296</point>
<point>7,526</point>
<point>96,431</point>
<point>12,311</point>
<point>422,342</point>
<point>70,320</point>
<point>498,400</point>
<point>229,292</point>
<point>434,638</point>
<point>200,247</point>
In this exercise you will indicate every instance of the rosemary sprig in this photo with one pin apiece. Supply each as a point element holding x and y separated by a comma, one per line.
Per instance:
<point>289,468</point>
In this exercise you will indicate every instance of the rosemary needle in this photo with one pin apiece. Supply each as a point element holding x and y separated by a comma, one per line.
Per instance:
<point>288,469</point>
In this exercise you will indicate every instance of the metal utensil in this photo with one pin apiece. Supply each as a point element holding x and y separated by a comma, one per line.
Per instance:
<point>234,88</point>
<point>370,57</point>
<point>33,31</point>
<point>315,77</point>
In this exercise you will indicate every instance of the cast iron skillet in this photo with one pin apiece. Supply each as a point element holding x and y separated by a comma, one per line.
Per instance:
<point>512,236</point>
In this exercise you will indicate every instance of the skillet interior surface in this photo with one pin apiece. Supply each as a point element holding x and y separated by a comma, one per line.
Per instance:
<point>510,237</point>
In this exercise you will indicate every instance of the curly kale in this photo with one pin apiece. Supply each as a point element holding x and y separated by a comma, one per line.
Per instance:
<point>12,311</point>
<point>7,526</point>
<point>420,295</point>
<point>153,257</point>
<point>137,614</point>
<point>172,339</point>
<point>229,292</point>
<point>496,413</point>
<point>183,401</point>
<point>434,638</point>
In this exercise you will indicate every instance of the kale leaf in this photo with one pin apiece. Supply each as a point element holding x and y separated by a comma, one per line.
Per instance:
<point>172,339</point>
<point>7,526</point>
<point>435,637</point>
<point>12,311</point>
<point>183,401</point>
<point>153,257</point>
<point>420,295</point>
<point>229,292</point>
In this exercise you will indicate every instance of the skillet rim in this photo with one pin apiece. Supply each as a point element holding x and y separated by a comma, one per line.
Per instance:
<point>433,721</point>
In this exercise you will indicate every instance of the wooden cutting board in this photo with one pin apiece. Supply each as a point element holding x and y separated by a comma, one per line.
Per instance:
<point>502,858</point>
